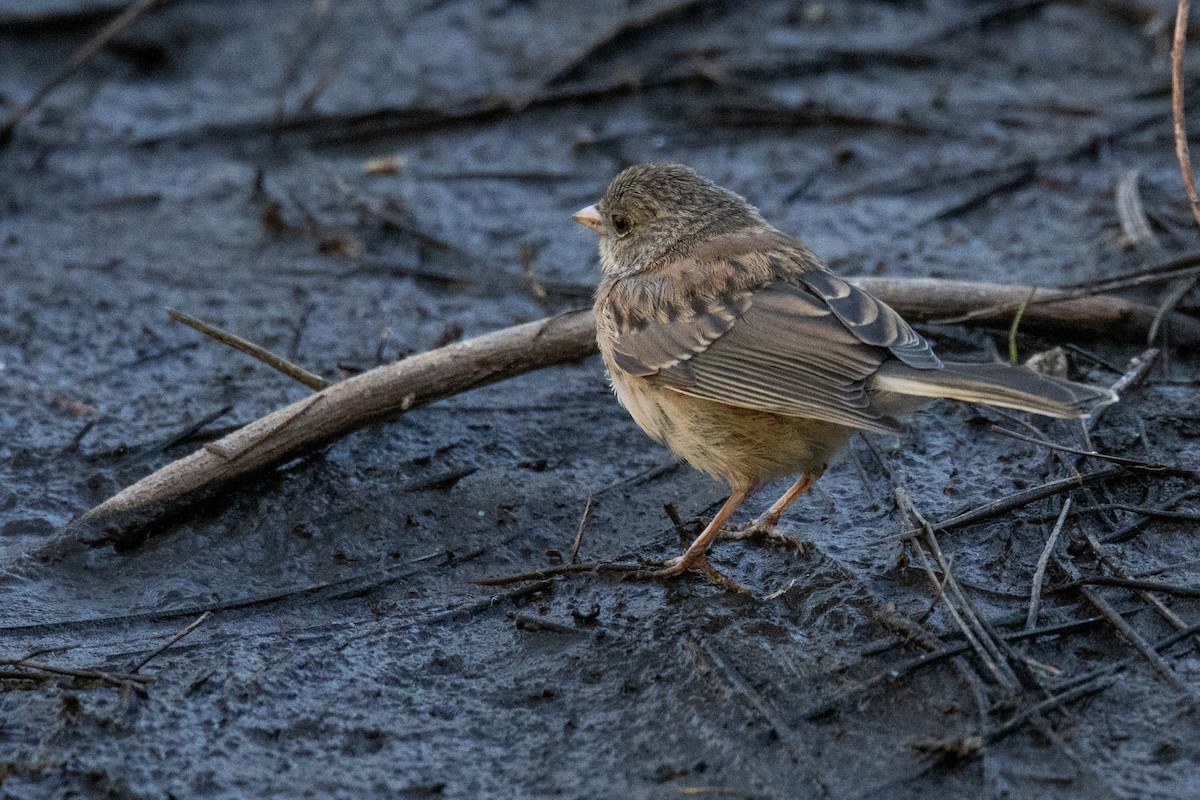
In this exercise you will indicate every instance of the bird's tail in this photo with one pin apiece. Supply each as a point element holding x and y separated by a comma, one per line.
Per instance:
<point>995,385</point>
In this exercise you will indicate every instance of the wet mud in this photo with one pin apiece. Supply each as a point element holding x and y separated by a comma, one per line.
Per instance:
<point>212,159</point>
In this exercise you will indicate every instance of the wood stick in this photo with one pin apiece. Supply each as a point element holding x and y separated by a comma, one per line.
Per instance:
<point>264,355</point>
<point>927,299</point>
<point>327,415</point>
<point>1179,42</point>
<point>1039,574</point>
<point>392,389</point>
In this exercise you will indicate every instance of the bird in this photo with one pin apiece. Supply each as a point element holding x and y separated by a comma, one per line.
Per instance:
<point>731,343</point>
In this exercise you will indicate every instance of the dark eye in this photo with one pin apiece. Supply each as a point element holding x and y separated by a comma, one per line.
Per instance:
<point>620,224</point>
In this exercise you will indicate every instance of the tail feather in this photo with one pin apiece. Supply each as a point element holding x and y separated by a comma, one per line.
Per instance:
<point>995,385</point>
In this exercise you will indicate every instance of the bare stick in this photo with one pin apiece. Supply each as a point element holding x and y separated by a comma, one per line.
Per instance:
<point>1184,266</point>
<point>561,569</point>
<point>985,654</point>
<point>1081,311</point>
<point>1135,227</point>
<point>1119,571</point>
<point>278,363</point>
<point>587,509</point>
<point>1136,372</point>
<point>1039,574</point>
<point>364,399</point>
<point>1132,464</point>
<point>120,681</point>
<point>1127,632</point>
<point>1180,123</point>
<point>80,57</point>
<point>392,389</point>
<point>1184,285</point>
<point>1010,503</point>
<point>170,642</point>
<point>1134,584</point>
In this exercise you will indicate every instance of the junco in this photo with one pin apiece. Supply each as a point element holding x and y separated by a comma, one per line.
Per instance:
<point>733,345</point>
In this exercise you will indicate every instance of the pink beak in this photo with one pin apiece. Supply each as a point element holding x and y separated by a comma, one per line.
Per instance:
<point>589,217</point>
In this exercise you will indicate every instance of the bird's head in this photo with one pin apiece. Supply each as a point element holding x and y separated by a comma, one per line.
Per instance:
<point>653,211</point>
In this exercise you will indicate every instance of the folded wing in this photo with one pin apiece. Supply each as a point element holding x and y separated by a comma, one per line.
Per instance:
<point>782,348</point>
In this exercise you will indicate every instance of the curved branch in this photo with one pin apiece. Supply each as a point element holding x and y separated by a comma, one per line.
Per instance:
<point>392,389</point>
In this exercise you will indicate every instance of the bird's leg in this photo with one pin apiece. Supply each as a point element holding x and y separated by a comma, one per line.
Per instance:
<point>696,556</point>
<point>765,525</point>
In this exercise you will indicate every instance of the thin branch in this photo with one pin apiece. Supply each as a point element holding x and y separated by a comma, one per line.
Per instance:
<point>587,510</point>
<point>897,671</point>
<point>276,362</point>
<point>1184,266</point>
<point>1131,464</point>
<point>1177,115</point>
<point>1118,569</point>
<point>1137,584</point>
<point>1125,629</point>
<point>561,569</point>
<point>981,644</point>
<point>1137,371</point>
<point>134,682</point>
<point>170,642</point>
<point>1010,503</point>
<point>1039,574</point>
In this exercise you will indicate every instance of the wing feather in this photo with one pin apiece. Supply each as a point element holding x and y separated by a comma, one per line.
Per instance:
<point>797,341</point>
<point>784,352</point>
<point>871,320</point>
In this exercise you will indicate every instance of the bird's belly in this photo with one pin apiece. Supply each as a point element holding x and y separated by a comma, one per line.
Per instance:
<point>744,447</point>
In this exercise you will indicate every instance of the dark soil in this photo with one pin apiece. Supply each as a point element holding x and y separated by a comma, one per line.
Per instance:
<point>211,159</point>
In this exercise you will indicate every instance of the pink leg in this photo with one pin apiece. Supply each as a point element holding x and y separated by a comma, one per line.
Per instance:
<point>696,556</point>
<point>765,525</point>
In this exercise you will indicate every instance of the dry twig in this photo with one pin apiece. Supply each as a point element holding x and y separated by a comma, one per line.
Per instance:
<point>1177,115</point>
<point>1131,464</point>
<point>278,363</point>
<point>587,510</point>
<point>170,642</point>
<point>1039,574</point>
<point>135,683</point>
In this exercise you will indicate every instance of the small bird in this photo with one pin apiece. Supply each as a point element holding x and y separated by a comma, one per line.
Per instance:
<point>728,341</point>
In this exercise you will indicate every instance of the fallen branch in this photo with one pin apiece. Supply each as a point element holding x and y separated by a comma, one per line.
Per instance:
<point>390,390</point>
<point>1179,267</point>
<point>327,415</point>
<point>1131,464</point>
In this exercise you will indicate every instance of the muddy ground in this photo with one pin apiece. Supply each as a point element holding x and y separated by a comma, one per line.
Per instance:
<point>211,159</point>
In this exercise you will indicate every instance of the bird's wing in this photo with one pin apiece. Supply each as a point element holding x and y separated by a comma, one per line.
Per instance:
<point>871,320</point>
<point>783,348</point>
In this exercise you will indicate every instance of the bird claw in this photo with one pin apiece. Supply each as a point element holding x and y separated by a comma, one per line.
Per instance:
<point>766,530</point>
<point>679,565</point>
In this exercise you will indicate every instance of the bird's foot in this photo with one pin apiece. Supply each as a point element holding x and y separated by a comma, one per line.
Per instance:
<point>766,530</point>
<point>677,566</point>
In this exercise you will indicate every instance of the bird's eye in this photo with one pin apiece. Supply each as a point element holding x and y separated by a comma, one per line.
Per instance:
<point>620,224</point>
